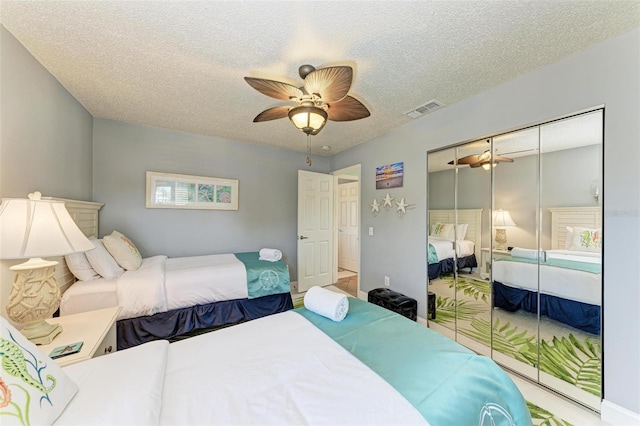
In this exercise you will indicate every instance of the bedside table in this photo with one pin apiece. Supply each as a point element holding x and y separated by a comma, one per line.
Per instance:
<point>97,329</point>
<point>487,255</point>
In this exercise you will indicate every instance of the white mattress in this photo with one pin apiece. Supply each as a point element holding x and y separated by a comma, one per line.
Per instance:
<point>444,247</point>
<point>277,370</point>
<point>161,284</point>
<point>569,284</point>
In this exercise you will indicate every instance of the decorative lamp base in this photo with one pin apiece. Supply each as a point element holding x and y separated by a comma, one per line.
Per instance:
<point>34,296</point>
<point>41,332</point>
<point>501,239</point>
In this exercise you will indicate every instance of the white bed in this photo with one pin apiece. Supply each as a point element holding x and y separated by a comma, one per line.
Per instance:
<point>166,297</point>
<point>468,248</point>
<point>161,284</point>
<point>560,282</point>
<point>296,367</point>
<point>565,285</point>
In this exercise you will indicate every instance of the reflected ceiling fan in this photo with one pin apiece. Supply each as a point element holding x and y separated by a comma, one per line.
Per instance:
<point>322,97</point>
<point>484,160</point>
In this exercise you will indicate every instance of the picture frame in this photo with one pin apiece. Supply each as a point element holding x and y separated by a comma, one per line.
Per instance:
<point>390,176</point>
<point>177,191</point>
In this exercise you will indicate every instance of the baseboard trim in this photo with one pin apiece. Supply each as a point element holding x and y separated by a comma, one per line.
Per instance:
<point>616,415</point>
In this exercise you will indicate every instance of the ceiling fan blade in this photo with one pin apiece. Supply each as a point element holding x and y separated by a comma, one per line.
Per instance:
<point>274,89</point>
<point>494,161</point>
<point>347,109</point>
<point>498,159</point>
<point>469,159</point>
<point>331,83</point>
<point>272,113</point>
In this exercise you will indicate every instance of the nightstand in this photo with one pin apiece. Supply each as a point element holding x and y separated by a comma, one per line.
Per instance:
<point>487,255</point>
<point>97,329</point>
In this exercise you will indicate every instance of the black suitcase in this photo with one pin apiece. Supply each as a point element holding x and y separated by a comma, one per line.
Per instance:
<point>394,301</point>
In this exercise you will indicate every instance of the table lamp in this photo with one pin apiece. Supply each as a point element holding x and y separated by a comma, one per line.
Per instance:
<point>502,218</point>
<point>33,229</point>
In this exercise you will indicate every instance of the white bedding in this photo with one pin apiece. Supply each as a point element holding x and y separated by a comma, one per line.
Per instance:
<point>444,247</point>
<point>299,376</point>
<point>161,284</point>
<point>569,284</point>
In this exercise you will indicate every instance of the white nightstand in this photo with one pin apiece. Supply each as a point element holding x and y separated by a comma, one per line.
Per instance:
<point>97,329</point>
<point>487,255</point>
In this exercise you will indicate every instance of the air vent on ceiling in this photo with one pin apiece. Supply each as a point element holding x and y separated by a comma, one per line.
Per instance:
<point>430,106</point>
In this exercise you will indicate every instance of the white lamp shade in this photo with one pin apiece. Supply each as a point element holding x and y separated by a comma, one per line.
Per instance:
<point>38,228</point>
<point>502,218</point>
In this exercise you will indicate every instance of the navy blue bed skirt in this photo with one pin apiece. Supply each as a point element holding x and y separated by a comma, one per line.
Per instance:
<point>580,315</point>
<point>167,325</point>
<point>446,266</point>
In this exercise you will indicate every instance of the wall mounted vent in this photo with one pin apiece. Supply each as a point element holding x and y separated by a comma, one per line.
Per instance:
<point>424,109</point>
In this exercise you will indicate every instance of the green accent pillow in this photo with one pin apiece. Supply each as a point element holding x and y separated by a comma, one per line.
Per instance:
<point>586,239</point>
<point>442,230</point>
<point>33,388</point>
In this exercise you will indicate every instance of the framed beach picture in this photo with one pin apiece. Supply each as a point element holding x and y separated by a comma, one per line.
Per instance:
<point>174,191</point>
<point>389,176</point>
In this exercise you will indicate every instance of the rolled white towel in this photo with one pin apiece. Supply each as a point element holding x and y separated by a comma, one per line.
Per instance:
<point>269,254</point>
<point>526,253</point>
<point>327,303</point>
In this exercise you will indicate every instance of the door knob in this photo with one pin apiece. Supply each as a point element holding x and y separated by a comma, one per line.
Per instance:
<point>302,237</point>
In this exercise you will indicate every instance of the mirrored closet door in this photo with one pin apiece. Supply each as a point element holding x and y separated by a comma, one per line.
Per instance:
<point>520,214</point>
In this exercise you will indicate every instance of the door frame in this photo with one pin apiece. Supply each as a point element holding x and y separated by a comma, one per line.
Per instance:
<point>354,173</point>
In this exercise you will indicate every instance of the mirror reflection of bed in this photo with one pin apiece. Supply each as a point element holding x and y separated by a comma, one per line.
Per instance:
<point>536,307</point>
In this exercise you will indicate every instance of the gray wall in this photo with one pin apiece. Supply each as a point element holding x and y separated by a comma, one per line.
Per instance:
<point>566,181</point>
<point>267,215</point>
<point>45,143</point>
<point>46,137</point>
<point>605,74</point>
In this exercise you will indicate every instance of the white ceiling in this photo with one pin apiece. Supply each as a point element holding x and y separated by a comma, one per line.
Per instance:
<point>180,64</point>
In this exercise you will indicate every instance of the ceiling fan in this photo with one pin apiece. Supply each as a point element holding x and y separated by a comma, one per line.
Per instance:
<point>484,160</point>
<point>322,97</point>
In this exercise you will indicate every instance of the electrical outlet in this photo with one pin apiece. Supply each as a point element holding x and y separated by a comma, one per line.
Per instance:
<point>386,281</point>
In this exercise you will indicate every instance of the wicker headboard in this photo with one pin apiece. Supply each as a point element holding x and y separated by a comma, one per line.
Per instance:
<point>85,215</point>
<point>561,217</point>
<point>473,217</point>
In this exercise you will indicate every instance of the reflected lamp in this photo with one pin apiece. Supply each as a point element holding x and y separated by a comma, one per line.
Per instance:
<point>502,219</point>
<point>33,229</point>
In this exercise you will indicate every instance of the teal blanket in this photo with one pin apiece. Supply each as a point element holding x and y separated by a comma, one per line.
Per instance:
<point>594,268</point>
<point>264,277</point>
<point>447,383</point>
<point>433,256</point>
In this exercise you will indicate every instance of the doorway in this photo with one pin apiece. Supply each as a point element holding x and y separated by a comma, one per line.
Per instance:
<point>347,229</point>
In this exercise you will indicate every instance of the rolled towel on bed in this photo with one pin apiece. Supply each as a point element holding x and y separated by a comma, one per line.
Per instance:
<point>526,253</point>
<point>271,255</point>
<point>327,303</point>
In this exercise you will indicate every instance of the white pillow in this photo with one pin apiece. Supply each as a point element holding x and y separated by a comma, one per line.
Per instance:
<point>586,239</point>
<point>462,231</point>
<point>123,251</point>
<point>33,386</point>
<point>102,261</point>
<point>569,238</point>
<point>80,267</point>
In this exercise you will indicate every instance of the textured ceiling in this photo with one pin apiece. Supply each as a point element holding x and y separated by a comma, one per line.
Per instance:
<point>180,64</point>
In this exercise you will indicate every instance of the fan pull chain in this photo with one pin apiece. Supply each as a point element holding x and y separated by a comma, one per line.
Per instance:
<point>308,151</point>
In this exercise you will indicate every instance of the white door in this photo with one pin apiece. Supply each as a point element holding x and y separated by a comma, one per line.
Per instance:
<point>315,230</point>
<point>348,246</point>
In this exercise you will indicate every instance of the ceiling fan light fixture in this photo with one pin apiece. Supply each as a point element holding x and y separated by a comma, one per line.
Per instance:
<point>487,166</point>
<point>308,119</point>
